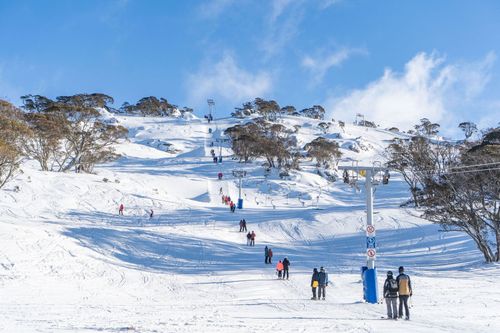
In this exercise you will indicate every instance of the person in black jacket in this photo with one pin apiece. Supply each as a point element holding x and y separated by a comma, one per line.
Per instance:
<point>391,295</point>
<point>286,264</point>
<point>323,282</point>
<point>314,282</point>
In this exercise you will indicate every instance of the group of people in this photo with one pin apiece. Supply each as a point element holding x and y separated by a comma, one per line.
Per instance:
<point>226,199</point>
<point>243,225</point>
<point>268,253</point>
<point>394,288</point>
<point>282,268</point>
<point>251,238</point>
<point>319,282</point>
<point>209,118</point>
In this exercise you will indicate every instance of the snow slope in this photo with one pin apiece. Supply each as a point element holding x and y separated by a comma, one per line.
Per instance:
<point>69,263</point>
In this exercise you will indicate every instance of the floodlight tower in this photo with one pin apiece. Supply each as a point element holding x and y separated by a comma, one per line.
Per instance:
<point>211,108</point>
<point>239,174</point>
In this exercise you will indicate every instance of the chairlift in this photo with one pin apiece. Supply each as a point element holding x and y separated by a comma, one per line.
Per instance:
<point>385,178</point>
<point>377,175</point>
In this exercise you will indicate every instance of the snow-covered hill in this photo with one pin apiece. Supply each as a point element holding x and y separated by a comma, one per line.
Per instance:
<point>69,262</point>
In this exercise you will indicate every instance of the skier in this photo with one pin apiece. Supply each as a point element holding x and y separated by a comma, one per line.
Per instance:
<point>241,225</point>
<point>220,191</point>
<point>219,175</point>
<point>120,210</point>
<point>286,264</point>
<point>223,199</point>
<point>215,159</point>
<point>391,295</point>
<point>405,292</point>
<point>244,225</point>
<point>252,239</point>
<point>322,282</point>
<point>266,254</point>
<point>271,257</point>
<point>279,269</point>
<point>151,214</point>
<point>249,238</point>
<point>314,282</point>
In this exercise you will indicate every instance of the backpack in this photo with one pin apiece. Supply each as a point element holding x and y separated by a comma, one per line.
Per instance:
<point>392,286</point>
<point>404,285</point>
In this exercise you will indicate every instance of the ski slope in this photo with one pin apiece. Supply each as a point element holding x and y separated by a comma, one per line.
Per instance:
<point>70,263</point>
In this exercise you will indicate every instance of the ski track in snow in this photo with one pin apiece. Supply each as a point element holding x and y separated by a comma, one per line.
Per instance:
<point>69,263</point>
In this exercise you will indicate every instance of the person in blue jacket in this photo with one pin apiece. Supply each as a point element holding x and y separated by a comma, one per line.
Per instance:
<point>323,283</point>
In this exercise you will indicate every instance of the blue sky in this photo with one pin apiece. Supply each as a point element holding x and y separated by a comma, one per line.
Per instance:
<point>394,61</point>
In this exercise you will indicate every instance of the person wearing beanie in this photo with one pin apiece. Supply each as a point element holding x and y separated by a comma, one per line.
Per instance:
<point>391,295</point>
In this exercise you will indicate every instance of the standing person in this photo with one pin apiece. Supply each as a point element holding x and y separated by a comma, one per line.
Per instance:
<point>151,214</point>
<point>220,190</point>
<point>120,209</point>
<point>322,282</point>
<point>314,282</point>
<point>241,225</point>
<point>270,255</point>
<point>405,291</point>
<point>286,264</point>
<point>266,254</point>
<point>252,239</point>
<point>391,295</point>
<point>244,225</point>
<point>279,269</point>
<point>249,238</point>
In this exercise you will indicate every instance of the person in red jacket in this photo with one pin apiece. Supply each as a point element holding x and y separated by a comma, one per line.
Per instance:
<point>252,238</point>
<point>279,268</point>
<point>120,210</point>
<point>270,255</point>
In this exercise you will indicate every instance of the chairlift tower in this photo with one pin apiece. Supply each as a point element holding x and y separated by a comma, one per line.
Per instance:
<point>369,271</point>
<point>239,174</point>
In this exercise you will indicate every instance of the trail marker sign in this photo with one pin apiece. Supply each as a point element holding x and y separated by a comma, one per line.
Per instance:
<point>371,253</point>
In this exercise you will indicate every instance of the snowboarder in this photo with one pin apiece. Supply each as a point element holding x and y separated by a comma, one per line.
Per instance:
<point>266,254</point>
<point>314,282</point>
<point>279,269</point>
<point>391,296</point>
<point>322,283</point>
<point>249,238</point>
<point>286,264</point>
<point>244,225</point>
<point>252,239</point>
<point>151,214</point>
<point>270,254</point>
<point>405,292</point>
<point>120,209</point>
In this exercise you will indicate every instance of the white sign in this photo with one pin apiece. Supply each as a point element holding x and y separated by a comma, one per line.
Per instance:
<point>371,253</point>
<point>370,229</point>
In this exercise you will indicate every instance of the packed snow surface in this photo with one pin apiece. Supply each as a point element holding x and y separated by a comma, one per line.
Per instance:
<point>70,263</point>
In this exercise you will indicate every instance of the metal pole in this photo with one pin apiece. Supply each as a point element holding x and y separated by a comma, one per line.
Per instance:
<point>239,196</point>
<point>369,209</point>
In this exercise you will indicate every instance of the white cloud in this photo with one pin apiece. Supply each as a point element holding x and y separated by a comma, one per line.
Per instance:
<point>427,88</point>
<point>324,4</point>
<point>320,65</point>
<point>213,8</point>
<point>226,80</point>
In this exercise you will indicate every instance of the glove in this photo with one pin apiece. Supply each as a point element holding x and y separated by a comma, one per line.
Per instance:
<point>411,293</point>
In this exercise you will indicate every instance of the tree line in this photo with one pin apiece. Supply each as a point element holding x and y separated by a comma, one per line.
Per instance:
<point>454,184</point>
<point>61,134</point>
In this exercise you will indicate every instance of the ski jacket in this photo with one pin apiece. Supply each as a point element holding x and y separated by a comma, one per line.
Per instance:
<point>323,278</point>
<point>270,253</point>
<point>266,251</point>
<point>286,263</point>
<point>391,288</point>
<point>315,277</point>
<point>404,285</point>
<point>279,266</point>
<point>252,235</point>
<point>249,235</point>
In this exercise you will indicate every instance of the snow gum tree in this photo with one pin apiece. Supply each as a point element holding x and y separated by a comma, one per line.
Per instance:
<point>13,132</point>
<point>466,196</point>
